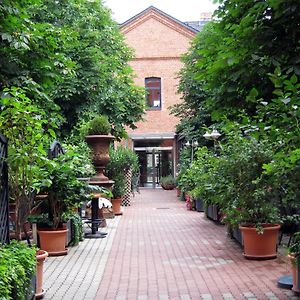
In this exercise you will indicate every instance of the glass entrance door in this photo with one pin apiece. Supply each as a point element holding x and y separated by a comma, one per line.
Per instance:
<point>154,163</point>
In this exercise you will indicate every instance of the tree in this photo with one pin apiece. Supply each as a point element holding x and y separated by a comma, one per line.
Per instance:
<point>101,79</point>
<point>69,55</point>
<point>231,59</point>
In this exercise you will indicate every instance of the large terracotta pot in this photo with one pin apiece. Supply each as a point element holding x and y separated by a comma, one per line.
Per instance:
<point>260,246</point>
<point>116,205</point>
<point>99,145</point>
<point>53,241</point>
<point>40,258</point>
<point>296,273</point>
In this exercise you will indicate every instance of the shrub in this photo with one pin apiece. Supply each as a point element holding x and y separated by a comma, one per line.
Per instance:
<point>98,126</point>
<point>168,180</point>
<point>18,262</point>
<point>121,160</point>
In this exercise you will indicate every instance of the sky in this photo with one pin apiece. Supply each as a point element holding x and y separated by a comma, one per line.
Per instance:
<point>183,10</point>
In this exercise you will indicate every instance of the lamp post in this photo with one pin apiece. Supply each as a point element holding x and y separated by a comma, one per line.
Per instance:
<point>193,143</point>
<point>214,135</point>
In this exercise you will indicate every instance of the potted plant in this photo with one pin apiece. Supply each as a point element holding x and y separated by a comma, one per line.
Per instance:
<point>168,182</point>
<point>116,169</point>
<point>98,138</point>
<point>246,195</point>
<point>294,255</point>
<point>118,191</point>
<point>25,124</point>
<point>122,160</point>
<point>65,193</point>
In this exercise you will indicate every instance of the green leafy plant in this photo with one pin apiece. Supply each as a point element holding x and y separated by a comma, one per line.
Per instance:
<point>66,191</point>
<point>121,160</point>
<point>294,249</point>
<point>77,228</point>
<point>168,182</point>
<point>26,126</point>
<point>18,263</point>
<point>99,125</point>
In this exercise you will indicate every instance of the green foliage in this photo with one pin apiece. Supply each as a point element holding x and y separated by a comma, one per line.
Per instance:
<point>167,180</point>
<point>77,228</point>
<point>98,125</point>
<point>69,63</point>
<point>100,79</point>
<point>65,190</point>
<point>235,181</point>
<point>295,247</point>
<point>17,266</point>
<point>229,62</point>
<point>242,74</point>
<point>26,126</point>
<point>121,160</point>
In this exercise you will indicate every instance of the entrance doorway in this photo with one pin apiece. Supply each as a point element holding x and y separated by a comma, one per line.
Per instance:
<point>155,162</point>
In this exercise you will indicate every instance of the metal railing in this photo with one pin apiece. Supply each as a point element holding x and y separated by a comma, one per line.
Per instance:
<point>4,213</point>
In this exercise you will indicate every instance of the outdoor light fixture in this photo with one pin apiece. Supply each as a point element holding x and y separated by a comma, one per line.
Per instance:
<point>207,135</point>
<point>214,135</point>
<point>193,143</point>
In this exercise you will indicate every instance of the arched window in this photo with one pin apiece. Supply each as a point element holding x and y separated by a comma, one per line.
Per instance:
<point>153,89</point>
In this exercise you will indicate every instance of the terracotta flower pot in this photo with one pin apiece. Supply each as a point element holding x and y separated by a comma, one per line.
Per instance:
<point>296,273</point>
<point>178,192</point>
<point>53,241</point>
<point>40,258</point>
<point>260,246</point>
<point>116,205</point>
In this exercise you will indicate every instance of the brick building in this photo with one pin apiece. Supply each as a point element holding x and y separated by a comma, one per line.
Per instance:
<point>158,41</point>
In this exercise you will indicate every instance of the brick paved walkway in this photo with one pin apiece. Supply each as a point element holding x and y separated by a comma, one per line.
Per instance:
<point>159,250</point>
<point>78,275</point>
<point>162,251</point>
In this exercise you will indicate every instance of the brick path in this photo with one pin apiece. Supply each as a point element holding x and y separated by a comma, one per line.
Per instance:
<point>159,250</point>
<point>162,251</point>
<point>78,274</point>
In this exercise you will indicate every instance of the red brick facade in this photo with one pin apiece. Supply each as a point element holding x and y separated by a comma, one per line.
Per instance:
<point>158,42</point>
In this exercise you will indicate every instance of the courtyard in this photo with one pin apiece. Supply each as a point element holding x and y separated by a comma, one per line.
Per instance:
<point>160,250</point>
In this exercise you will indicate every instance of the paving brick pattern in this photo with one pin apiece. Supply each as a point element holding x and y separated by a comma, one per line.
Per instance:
<point>78,274</point>
<point>162,251</point>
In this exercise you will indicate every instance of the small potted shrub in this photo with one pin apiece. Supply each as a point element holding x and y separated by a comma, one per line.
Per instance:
<point>116,171</point>
<point>294,255</point>
<point>168,182</point>
<point>98,137</point>
<point>118,191</point>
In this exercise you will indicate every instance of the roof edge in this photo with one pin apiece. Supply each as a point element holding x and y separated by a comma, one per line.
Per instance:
<point>161,13</point>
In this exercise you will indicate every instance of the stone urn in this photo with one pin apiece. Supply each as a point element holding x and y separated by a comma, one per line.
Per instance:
<point>99,145</point>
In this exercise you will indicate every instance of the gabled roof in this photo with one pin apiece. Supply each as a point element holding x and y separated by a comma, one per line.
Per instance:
<point>159,15</point>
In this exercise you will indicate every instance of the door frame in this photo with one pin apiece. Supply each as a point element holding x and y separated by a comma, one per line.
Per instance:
<point>153,151</point>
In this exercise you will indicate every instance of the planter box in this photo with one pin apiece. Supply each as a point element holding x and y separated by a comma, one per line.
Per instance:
<point>31,292</point>
<point>199,205</point>
<point>69,238</point>
<point>212,212</point>
<point>237,235</point>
